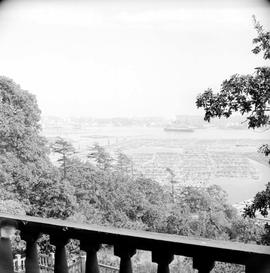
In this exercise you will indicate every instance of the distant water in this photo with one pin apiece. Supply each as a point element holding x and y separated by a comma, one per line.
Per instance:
<point>153,132</point>
<point>238,189</point>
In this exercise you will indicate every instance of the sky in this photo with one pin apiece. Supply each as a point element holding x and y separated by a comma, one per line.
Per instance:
<point>126,58</point>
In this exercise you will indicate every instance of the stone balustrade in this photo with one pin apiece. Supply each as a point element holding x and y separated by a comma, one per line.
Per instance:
<point>163,247</point>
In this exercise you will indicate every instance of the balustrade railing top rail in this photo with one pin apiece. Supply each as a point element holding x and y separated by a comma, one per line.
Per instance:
<point>163,246</point>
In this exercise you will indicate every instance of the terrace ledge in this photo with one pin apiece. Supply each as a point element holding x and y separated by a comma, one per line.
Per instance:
<point>204,252</point>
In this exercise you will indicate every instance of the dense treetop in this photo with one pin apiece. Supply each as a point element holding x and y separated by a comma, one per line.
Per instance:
<point>26,172</point>
<point>19,120</point>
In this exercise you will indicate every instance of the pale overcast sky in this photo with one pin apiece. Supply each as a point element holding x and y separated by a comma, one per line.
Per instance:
<point>126,58</point>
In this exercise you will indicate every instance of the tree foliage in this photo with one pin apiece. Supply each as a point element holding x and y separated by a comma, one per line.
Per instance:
<point>246,230</point>
<point>102,158</point>
<point>65,150</point>
<point>124,164</point>
<point>26,172</point>
<point>262,40</point>
<point>246,94</point>
<point>202,212</point>
<point>261,203</point>
<point>19,122</point>
<point>249,95</point>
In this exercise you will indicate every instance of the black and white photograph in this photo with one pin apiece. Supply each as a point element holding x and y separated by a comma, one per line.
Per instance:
<point>134,136</point>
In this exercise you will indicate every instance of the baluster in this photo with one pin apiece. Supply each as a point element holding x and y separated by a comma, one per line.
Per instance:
<point>18,261</point>
<point>125,255</point>
<point>31,255</point>
<point>91,248</point>
<point>15,265</point>
<point>83,262</point>
<point>51,259</point>
<point>203,264</point>
<point>163,259</point>
<point>7,230</point>
<point>23,264</point>
<point>60,262</point>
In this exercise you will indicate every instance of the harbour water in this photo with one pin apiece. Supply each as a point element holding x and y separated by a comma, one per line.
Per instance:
<point>226,157</point>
